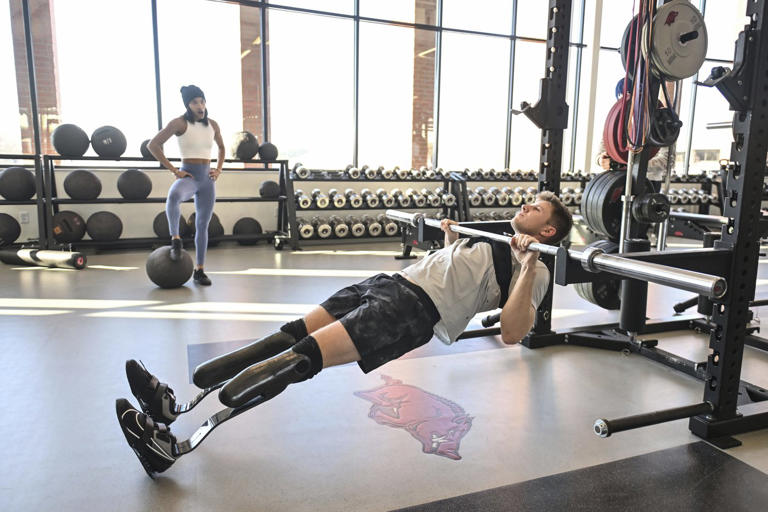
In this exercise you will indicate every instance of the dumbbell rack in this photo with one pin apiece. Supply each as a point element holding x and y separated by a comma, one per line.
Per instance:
<point>338,176</point>
<point>37,201</point>
<point>52,201</point>
<point>688,228</point>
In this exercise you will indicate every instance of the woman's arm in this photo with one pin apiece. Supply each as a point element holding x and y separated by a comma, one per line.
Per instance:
<point>222,152</point>
<point>176,127</point>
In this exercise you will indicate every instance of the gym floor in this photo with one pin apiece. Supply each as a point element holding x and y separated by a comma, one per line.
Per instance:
<point>527,435</point>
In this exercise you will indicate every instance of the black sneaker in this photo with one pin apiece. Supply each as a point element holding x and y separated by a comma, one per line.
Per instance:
<point>152,442</point>
<point>176,247</point>
<point>155,398</point>
<point>200,277</point>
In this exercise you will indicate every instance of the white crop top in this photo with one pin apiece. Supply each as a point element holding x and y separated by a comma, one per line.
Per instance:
<point>196,141</point>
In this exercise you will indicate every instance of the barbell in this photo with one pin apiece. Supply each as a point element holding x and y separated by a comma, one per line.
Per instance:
<point>595,260</point>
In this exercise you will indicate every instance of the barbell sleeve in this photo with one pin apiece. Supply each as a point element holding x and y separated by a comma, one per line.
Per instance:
<point>597,261</point>
<point>715,219</point>
<point>604,428</point>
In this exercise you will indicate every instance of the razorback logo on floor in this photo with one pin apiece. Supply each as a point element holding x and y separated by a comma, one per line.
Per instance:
<point>436,422</point>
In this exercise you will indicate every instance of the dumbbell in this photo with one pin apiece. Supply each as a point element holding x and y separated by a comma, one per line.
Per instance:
<point>693,196</point>
<point>485,173</point>
<point>385,197</point>
<point>301,171</point>
<point>302,200</point>
<point>353,198</point>
<point>427,173</point>
<point>356,226</point>
<point>337,198</point>
<point>402,174</point>
<point>530,195</point>
<point>502,198</point>
<point>369,172</point>
<point>496,215</point>
<point>352,171</point>
<point>577,194</point>
<point>499,174</point>
<point>306,229</point>
<point>322,228</point>
<point>703,196</point>
<point>515,195</point>
<point>372,225</point>
<point>566,176</point>
<point>530,175</point>
<point>516,175</point>
<point>390,227</point>
<point>474,198</point>
<point>321,200</point>
<point>447,198</point>
<point>682,195</point>
<point>471,174</point>
<point>418,200</point>
<point>340,228</point>
<point>488,198</point>
<point>567,196</point>
<point>388,174</point>
<point>673,197</point>
<point>443,173</point>
<point>509,214</point>
<point>416,174</point>
<point>371,199</point>
<point>480,217</point>
<point>402,199</point>
<point>432,198</point>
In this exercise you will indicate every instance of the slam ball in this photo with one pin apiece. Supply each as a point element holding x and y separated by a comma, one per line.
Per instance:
<point>70,140</point>
<point>166,273</point>
<point>108,141</point>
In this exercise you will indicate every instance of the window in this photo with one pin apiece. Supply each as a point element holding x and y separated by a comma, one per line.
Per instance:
<point>210,61</point>
<point>481,15</point>
<point>473,101</point>
<point>410,11</point>
<point>616,16</point>
<point>11,117</point>
<point>396,117</point>
<point>311,88</point>
<point>724,21</point>
<point>532,19</point>
<point>708,146</point>
<point>525,140</point>
<point>105,72</point>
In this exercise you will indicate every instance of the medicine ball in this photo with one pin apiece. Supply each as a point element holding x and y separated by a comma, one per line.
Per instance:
<point>9,229</point>
<point>108,141</point>
<point>134,184</point>
<point>166,273</point>
<point>104,227</point>
<point>245,146</point>
<point>145,150</point>
<point>269,189</point>
<point>160,226</point>
<point>268,151</point>
<point>82,185</point>
<point>247,226</point>
<point>70,140</point>
<point>68,227</point>
<point>17,184</point>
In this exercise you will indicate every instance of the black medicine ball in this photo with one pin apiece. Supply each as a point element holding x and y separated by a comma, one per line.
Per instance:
<point>104,227</point>
<point>166,273</point>
<point>17,184</point>
<point>10,229</point>
<point>68,227</point>
<point>245,146</point>
<point>145,150</point>
<point>82,185</point>
<point>268,151</point>
<point>70,140</point>
<point>160,226</point>
<point>247,226</point>
<point>269,189</point>
<point>108,141</point>
<point>134,184</point>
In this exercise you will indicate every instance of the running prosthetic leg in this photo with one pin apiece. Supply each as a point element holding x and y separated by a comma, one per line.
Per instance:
<point>155,398</point>
<point>218,370</point>
<point>257,384</point>
<point>152,442</point>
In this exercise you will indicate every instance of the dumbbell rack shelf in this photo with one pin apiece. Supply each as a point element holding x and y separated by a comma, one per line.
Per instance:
<point>38,202</point>
<point>319,176</point>
<point>52,202</point>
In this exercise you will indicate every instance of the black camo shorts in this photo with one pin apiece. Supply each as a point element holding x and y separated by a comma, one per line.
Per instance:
<point>385,315</point>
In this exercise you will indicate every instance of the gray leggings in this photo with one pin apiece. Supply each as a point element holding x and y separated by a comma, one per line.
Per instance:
<point>202,187</point>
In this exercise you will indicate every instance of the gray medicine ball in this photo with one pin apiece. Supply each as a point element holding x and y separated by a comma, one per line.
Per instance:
<point>70,140</point>
<point>9,229</point>
<point>134,184</point>
<point>166,273</point>
<point>104,227</point>
<point>108,141</point>
<point>268,151</point>
<point>82,185</point>
<point>17,184</point>
<point>245,146</point>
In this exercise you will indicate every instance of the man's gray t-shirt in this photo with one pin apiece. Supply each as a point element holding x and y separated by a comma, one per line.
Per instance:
<point>461,281</point>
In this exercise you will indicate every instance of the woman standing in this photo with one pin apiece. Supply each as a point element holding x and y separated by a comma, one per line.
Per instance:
<point>195,132</point>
